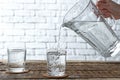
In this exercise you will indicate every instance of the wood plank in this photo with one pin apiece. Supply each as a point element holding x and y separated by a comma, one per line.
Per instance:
<point>75,70</point>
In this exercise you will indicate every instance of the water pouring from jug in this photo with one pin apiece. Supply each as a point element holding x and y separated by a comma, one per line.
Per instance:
<point>88,22</point>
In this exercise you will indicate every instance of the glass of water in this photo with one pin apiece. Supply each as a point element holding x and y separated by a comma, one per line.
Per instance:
<point>56,62</point>
<point>16,60</point>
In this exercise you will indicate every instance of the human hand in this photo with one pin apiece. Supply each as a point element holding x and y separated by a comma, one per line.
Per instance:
<point>109,8</point>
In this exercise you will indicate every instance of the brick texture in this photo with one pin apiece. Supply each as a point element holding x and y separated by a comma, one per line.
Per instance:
<point>36,23</point>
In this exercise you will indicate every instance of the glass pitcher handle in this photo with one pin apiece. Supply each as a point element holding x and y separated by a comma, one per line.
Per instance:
<point>112,22</point>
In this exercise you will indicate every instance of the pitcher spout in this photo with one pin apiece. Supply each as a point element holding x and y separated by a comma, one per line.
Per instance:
<point>68,24</point>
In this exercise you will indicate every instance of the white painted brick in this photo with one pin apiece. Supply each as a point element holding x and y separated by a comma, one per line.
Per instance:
<point>25,1</point>
<point>71,33</point>
<point>14,19</point>
<point>63,32</point>
<point>67,39</point>
<point>67,1</point>
<point>28,39</point>
<point>1,32</point>
<point>9,1</point>
<point>57,32</point>
<point>40,52</point>
<point>24,26</point>
<point>1,58</point>
<point>35,45</point>
<point>30,51</point>
<point>30,32</point>
<point>74,57</point>
<point>55,45</point>
<point>45,39</point>
<point>70,52</point>
<point>17,38</point>
<point>58,25</point>
<point>85,51</point>
<point>8,32</point>
<point>52,32</point>
<point>1,45</point>
<point>4,57</point>
<point>76,45</point>
<point>3,52</point>
<point>13,44</point>
<point>6,13</point>
<point>6,38</point>
<point>52,6</point>
<point>63,45</point>
<point>89,47</point>
<point>46,1</point>
<point>18,32</point>
<point>14,32</point>
<point>46,13</point>
<point>1,19</point>
<point>24,13</point>
<point>34,19</point>
<point>36,57</point>
<point>61,13</point>
<point>52,19</point>
<point>4,1</point>
<point>52,45</point>
<point>16,1</point>
<point>6,26</point>
<point>39,32</point>
<point>23,38</point>
<point>45,26</point>
<point>11,6</point>
<point>65,7</point>
<point>79,39</point>
<point>34,6</point>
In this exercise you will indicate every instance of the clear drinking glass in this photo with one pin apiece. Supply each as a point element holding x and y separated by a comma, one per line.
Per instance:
<point>85,19</point>
<point>16,60</point>
<point>56,62</point>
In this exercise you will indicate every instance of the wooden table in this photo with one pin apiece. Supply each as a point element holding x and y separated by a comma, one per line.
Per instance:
<point>76,71</point>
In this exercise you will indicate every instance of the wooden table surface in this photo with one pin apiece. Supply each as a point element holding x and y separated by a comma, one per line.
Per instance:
<point>76,71</point>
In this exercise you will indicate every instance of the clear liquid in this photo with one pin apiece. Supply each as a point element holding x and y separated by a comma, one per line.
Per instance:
<point>97,34</point>
<point>56,70</point>
<point>56,65</point>
<point>58,42</point>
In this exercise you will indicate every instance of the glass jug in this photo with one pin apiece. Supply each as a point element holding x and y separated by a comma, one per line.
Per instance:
<point>85,19</point>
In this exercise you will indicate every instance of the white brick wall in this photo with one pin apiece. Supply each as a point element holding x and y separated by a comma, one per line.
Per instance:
<point>36,23</point>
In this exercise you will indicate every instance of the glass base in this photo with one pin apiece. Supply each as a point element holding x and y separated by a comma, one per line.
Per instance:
<point>16,70</point>
<point>116,50</point>
<point>55,77</point>
<point>56,73</point>
<point>113,52</point>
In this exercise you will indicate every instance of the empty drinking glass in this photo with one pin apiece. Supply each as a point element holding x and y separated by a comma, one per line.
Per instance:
<point>16,60</point>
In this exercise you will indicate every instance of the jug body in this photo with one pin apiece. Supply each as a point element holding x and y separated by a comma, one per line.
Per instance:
<point>88,23</point>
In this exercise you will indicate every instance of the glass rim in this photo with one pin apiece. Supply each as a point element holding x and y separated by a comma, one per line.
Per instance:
<point>85,7</point>
<point>62,51</point>
<point>16,49</point>
<point>55,49</point>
